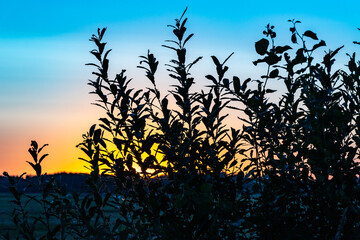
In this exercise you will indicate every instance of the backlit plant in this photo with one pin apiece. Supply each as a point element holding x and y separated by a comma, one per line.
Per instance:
<point>167,166</point>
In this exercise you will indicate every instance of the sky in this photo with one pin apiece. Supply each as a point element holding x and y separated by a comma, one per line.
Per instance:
<point>44,48</point>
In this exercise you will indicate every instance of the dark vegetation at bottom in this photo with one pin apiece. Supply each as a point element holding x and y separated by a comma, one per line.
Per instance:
<point>290,170</point>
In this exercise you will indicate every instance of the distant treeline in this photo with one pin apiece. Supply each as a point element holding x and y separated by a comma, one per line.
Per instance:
<point>74,182</point>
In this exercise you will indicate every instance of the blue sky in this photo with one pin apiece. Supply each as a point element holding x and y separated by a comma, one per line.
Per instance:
<point>27,19</point>
<point>44,46</point>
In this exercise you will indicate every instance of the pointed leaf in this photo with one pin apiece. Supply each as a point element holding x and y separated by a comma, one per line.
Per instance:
<point>188,38</point>
<point>236,82</point>
<point>311,35</point>
<point>320,44</point>
<point>216,61</point>
<point>92,128</point>
<point>274,73</point>
<point>42,157</point>
<point>210,77</point>
<point>233,163</point>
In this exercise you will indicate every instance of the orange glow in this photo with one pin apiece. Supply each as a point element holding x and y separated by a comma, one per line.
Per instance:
<point>62,133</point>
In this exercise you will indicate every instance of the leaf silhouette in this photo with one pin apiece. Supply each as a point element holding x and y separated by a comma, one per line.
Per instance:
<point>261,46</point>
<point>311,35</point>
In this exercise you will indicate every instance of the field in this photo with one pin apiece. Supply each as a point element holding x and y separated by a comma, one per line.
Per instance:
<point>33,209</point>
<point>6,223</point>
<point>5,211</point>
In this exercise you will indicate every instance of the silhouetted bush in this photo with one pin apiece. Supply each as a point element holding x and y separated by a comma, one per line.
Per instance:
<point>177,171</point>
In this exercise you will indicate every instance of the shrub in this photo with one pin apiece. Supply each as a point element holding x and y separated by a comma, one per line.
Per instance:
<point>162,171</point>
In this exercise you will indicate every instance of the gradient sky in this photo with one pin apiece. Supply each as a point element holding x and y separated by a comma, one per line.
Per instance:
<point>44,47</point>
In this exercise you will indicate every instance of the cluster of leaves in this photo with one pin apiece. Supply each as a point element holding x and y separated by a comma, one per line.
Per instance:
<point>177,171</point>
<point>305,147</point>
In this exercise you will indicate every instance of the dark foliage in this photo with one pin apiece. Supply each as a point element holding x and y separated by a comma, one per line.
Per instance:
<point>168,167</point>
